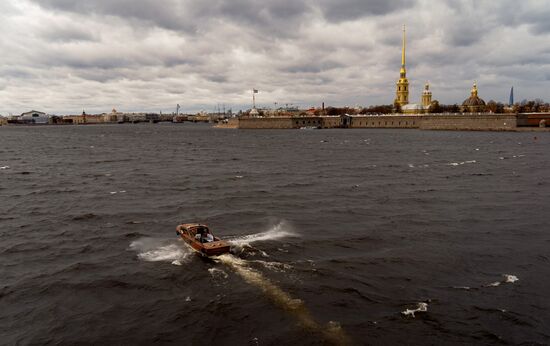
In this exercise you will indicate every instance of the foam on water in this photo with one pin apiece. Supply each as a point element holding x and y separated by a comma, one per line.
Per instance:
<point>161,250</point>
<point>218,273</point>
<point>420,307</point>
<point>461,163</point>
<point>506,279</point>
<point>274,266</point>
<point>510,278</point>
<point>279,231</point>
<point>296,307</point>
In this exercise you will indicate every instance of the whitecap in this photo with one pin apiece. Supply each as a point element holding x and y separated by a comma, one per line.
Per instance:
<point>510,278</point>
<point>420,307</point>
<point>461,163</point>
<point>507,279</point>
<point>4,167</point>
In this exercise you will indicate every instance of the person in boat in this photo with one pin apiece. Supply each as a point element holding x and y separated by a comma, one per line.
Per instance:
<point>204,236</point>
<point>198,235</point>
<point>207,237</point>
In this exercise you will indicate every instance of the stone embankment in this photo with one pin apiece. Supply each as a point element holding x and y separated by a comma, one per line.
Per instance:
<point>452,122</point>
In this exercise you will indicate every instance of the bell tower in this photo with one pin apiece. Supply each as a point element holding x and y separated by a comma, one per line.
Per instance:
<point>402,93</point>
<point>426,96</point>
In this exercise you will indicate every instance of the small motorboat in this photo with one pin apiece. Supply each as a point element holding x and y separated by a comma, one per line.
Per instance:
<point>199,237</point>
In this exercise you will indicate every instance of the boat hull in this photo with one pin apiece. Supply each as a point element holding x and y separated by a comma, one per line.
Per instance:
<point>214,248</point>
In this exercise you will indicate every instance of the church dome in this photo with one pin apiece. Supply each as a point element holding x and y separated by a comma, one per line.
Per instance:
<point>473,100</point>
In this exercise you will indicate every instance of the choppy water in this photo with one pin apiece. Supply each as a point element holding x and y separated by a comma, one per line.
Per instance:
<point>341,236</point>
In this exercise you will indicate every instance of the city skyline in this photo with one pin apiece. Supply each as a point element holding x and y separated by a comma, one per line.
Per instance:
<point>63,57</point>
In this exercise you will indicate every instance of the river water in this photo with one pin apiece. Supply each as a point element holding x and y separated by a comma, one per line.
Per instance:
<point>353,237</point>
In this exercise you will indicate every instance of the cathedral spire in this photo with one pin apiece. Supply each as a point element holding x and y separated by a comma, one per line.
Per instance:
<point>404,47</point>
<point>402,94</point>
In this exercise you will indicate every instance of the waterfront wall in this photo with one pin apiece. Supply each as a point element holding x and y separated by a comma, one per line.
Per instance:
<point>386,121</point>
<point>470,122</point>
<point>457,122</point>
<point>266,123</point>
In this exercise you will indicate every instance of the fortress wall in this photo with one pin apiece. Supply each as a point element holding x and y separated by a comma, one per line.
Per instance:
<point>466,122</point>
<point>307,122</point>
<point>331,122</point>
<point>470,122</point>
<point>386,121</point>
<point>266,123</point>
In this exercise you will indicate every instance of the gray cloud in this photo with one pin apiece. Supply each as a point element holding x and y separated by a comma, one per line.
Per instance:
<point>345,10</point>
<point>65,55</point>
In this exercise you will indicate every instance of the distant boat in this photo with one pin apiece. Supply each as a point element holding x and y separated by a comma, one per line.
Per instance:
<point>309,128</point>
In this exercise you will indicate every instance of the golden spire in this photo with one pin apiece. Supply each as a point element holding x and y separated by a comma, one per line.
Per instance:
<point>403,61</point>
<point>474,90</point>
<point>404,46</point>
<point>402,94</point>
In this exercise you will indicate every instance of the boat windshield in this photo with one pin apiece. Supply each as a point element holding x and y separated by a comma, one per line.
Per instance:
<point>199,230</point>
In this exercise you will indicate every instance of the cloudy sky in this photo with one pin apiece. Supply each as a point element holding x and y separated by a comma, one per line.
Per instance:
<point>63,56</point>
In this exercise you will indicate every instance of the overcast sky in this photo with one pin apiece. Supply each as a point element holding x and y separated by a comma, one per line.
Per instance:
<point>63,56</point>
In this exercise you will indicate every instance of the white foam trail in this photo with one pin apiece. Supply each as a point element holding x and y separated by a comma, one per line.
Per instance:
<point>421,307</point>
<point>332,332</point>
<point>160,250</point>
<point>4,167</point>
<point>279,231</point>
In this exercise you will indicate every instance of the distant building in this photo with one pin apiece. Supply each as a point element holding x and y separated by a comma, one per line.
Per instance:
<point>33,117</point>
<point>3,121</point>
<point>420,108</point>
<point>111,117</point>
<point>427,96</point>
<point>74,119</point>
<point>473,104</point>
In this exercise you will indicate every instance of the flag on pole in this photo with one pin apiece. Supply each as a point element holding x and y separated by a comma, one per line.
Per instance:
<point>255,91</point>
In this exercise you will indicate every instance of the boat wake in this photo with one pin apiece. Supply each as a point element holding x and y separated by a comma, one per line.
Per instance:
<point>332,332</point>
<point>161,250</point>
<point>279,231</point>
